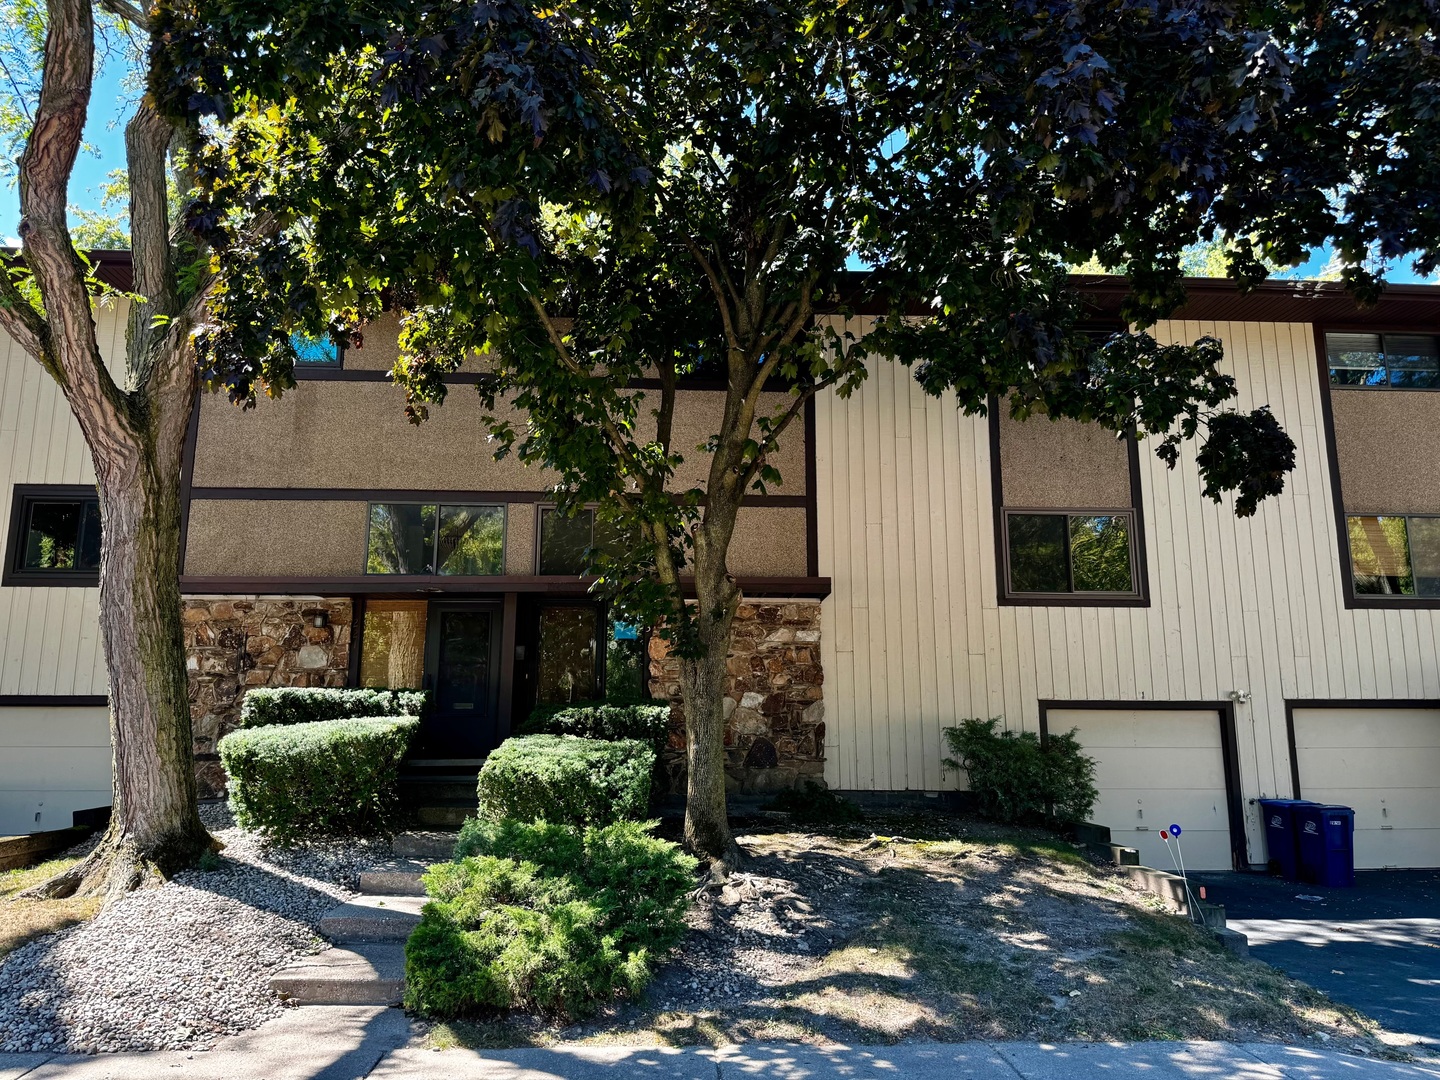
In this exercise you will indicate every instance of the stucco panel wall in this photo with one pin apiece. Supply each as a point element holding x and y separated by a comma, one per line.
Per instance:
<point>380,346</point>
<point>1388,445</point>
<point>769,541</point>
<point>336,434</point>
<point>273,538</point>
<point>1062,463</point>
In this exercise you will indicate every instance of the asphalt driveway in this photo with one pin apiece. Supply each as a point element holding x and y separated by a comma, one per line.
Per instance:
<point>1375,947</point>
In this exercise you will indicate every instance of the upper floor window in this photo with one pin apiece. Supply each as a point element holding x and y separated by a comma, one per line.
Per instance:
<point>565,539</point>
<point>1086,552</point>
<point>315,352</point>
<point>1395,555</point>
<point>430,538</point>
<point>1399,361</point>
<point>54,536</point>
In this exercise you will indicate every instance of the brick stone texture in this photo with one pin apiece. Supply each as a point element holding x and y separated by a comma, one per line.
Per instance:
<point>235,643</point>
<point>774,707</point>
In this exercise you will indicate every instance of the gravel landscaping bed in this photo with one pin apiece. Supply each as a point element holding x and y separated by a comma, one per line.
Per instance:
<point>179,966</point>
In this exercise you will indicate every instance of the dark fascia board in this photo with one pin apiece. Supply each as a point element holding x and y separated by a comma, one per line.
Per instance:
<point>437,587</point>
<point>13,701</point>
<point>1208,298</point>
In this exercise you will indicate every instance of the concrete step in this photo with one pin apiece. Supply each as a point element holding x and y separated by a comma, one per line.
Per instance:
<point>423,790</point>
<point>363,974</point>
<point>440,814</point>
<point>429,844</point>
<point>372,918</point>
<point>391,883</point>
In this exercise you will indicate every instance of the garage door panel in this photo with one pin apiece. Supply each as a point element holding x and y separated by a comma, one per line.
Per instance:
<point>1163,728</point>
<point>1368,768</point>
<point>1152,768</point>
<point>54,725</point>
<point>1184,769</point>
<point>1344,728</point>
<point>1386,764</point>
<point>1379,848</point>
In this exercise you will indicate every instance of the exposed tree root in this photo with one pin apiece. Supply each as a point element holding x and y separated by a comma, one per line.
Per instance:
<point>119,865</point>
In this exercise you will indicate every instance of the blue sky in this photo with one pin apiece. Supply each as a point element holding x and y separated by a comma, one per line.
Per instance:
<point>104,129</point>
<point>110,103</point>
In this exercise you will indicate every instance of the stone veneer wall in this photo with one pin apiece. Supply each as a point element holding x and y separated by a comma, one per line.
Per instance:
<point>775,712</point>
<point>234,643</point>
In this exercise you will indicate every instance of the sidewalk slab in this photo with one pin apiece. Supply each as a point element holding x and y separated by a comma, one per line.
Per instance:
<point>907,1061</point>
<point>14,1066</point>
<point>336,1043</point>
<point>561,1063</point>
<point>1306,1063</point>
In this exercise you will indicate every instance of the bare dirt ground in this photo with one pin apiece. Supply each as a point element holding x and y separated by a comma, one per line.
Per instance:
<point>910,926</point>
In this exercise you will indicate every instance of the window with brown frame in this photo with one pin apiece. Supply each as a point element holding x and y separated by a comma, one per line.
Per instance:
<point>54,536</point>
<point>1089,553</point>
<point>1381,361</point>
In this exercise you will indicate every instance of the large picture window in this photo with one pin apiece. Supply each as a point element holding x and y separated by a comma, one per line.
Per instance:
<point>429,538</point>
<point>1088,552</point>
<point>1395,555</point>
<point>1397,361</point>
<point>54,537</point>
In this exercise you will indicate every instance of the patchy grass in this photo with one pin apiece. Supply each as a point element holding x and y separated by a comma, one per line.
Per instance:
<point>25,920</point>
<point>935,926</point>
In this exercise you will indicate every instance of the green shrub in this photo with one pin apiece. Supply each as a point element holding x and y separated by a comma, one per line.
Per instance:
<point>1015,778</point>
<point>648,721</point>
<point>546,916</point>
<point>564,779</point>
<point>332,777</point>
<point>266,706</point>
<point>816,805</point>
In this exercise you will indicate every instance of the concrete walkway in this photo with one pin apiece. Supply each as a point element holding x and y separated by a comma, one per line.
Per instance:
<point>352,1043</point>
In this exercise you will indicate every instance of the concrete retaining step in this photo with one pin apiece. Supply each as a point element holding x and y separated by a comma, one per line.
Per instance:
<point>442,814</point>
<point>391,883</point>
<point>364,974</point>
<point>372,918</point>
<point>430,845</point>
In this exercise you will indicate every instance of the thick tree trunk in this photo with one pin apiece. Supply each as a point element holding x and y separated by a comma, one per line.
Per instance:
<point>155,826</point>
<point>703,678</point>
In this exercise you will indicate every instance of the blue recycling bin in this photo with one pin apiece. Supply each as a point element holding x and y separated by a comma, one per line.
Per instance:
<point>1281,835</point>
<point>1326,837</point>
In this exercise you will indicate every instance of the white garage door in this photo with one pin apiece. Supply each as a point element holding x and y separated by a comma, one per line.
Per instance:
<point>1386,764</point>
<point>1154,768</point>
<point>54,760</point>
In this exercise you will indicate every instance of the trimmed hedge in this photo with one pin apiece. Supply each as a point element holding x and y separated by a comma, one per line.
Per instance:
<point>546,916</point>
<point>266,706</point>
<point>648,721</point>
<point>563,779</point>
<point>331,777</point>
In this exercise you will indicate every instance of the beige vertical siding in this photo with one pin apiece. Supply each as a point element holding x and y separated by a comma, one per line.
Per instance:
<point>913,637</point>
<point>49,637</point>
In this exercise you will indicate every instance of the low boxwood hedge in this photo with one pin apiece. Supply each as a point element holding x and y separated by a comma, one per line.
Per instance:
<point>648,721</point>
<point>546,916</point>
<point>331,777</point>
<point>564,779</point>
<point>266,706</point>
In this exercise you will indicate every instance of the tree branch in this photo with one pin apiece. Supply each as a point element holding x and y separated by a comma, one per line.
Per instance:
<point>147,140</point>
<point>131,13</point>
<point>45,169</point>
<point>718,289</point>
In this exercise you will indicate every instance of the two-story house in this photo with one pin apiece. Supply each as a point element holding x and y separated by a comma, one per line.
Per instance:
<point>916,567</point>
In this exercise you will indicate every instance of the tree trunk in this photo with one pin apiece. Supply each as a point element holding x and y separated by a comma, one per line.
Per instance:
<point>703,678</point>
<point>155,826</point>
<point>407,649</point>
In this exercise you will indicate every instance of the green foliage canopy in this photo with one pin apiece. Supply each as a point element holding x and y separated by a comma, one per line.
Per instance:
<point>615,195</point>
